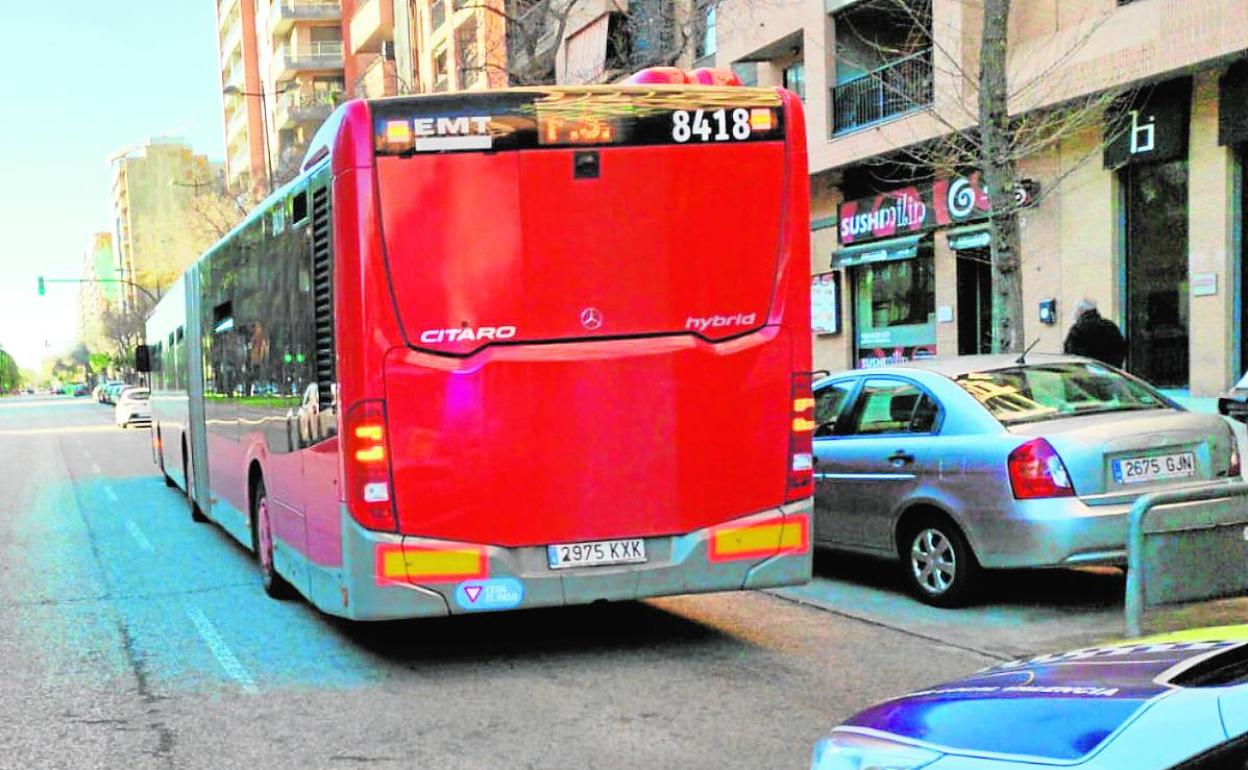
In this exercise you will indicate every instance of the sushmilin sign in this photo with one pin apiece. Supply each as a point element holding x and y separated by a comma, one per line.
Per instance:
<point>913,209</point>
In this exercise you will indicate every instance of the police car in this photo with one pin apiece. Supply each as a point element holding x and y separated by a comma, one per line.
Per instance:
<point>1145,705</point>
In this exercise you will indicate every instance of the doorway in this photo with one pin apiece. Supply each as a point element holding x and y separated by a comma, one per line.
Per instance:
<point>974,301</point>
<point>1156,272</point>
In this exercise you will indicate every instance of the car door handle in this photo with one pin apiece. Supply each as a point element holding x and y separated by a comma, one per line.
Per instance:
<point>901,457</point>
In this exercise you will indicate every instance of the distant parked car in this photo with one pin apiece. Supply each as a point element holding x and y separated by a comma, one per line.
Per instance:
<point>1235,403</point>
<point>956,464</point>
<point>80,390</point>
<point>113,391</point>
<point>133,407</point>
<point>1151,704</point>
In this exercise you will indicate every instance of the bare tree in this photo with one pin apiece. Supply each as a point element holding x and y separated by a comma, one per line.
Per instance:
<point>641,33</point>
<point>124,326</point>
<point>993,119</point>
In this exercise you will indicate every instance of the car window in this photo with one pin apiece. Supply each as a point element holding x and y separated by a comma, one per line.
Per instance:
<point>894,406</point>
<point>830,401</point>
<point>1033,393</point>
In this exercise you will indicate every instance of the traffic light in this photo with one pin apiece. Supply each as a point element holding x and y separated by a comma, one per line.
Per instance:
<point>42,290</point>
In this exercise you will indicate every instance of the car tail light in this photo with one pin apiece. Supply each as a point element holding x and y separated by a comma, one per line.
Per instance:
<point>801,476</point>
<point>1037,471</point>
<point>367,467</point>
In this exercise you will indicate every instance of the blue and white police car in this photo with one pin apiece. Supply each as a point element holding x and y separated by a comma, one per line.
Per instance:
<point>1145,705</point>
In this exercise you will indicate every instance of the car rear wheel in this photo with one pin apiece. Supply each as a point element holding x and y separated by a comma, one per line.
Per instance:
<point>274,584</point>
<point>940,567</point>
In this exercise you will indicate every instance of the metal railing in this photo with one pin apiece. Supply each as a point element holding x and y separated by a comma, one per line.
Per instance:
<point>896,88</point>
<point>1185,552</point>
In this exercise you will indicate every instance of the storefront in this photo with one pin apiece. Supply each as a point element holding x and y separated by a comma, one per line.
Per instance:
<point>887,249</point>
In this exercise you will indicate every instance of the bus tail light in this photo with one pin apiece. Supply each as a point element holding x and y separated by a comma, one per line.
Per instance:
<point>367,467</point>
<point>801,471</point>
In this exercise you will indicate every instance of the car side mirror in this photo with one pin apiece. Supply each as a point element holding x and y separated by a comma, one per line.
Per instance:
<point>143,359</point>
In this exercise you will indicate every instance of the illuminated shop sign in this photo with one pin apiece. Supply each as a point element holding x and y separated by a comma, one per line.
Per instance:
<point>913,209</point>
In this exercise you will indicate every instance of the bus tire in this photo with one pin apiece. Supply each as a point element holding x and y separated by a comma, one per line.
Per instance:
<point>197,515</point>
<point>262,539</point>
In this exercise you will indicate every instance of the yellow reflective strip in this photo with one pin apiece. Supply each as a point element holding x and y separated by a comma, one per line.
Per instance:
<point>747,539</point>
<point>791,535</point>
<point>392,565</point>
<point>463,561</point>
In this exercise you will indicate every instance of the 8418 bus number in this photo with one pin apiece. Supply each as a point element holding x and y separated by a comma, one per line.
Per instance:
<point>712,126</point>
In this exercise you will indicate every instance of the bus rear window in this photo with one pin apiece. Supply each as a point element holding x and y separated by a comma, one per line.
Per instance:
<point>516,120</point>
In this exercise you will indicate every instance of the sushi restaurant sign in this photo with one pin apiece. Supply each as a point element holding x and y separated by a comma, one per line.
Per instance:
<point>913,209</point>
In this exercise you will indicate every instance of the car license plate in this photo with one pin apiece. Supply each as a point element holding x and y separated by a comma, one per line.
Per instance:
<point>1137,469</point>
<point>597,554</point>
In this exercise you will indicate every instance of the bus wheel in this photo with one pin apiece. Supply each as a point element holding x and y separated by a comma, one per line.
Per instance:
<point>274,584</point>
<point>197,515</point>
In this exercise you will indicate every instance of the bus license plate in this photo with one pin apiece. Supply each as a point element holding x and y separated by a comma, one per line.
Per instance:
<point>1138,469</point>
<point>597,554</point>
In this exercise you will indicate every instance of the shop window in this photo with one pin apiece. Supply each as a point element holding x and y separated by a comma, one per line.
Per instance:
<point>902,293</point>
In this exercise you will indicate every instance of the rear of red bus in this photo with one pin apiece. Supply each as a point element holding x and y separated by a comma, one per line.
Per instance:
<point>573,335</point>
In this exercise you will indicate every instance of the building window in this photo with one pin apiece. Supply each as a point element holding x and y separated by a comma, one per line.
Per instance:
<point>468,63</point>
<point>438,13</point>
<point>795,78</point>
<point>440,80</point>
<point>706,41</point>
<point>747,71</point>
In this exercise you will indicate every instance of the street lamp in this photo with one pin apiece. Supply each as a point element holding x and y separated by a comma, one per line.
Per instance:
<point>233,90</point>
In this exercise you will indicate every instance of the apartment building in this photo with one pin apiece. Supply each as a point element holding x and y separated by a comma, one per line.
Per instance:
<point>1140,207</point>
<point>159,226</point>
<point>282,73</point>
<point>605,40</point>
<point>246,165</point>
<point>96,292</point>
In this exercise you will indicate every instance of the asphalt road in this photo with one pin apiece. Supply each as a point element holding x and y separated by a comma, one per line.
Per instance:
<point>131,637</point>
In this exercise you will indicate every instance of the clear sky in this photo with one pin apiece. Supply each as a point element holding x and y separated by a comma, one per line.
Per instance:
<point>84,79</point>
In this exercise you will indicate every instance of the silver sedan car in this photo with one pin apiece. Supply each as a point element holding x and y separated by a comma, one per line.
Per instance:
<point>977,462</point>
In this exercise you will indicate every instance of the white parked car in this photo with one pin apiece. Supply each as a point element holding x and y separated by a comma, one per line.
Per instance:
<point>132,407</point>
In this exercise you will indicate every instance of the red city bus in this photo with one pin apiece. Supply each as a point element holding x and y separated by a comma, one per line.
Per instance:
<point>508,349</point>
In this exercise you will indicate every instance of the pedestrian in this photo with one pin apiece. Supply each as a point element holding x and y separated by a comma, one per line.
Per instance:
<point>1094,336</point>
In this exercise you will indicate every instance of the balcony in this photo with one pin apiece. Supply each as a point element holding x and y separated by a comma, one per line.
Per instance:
<point>317,55</point>
<point>287,13</point>
<point>301,107</point>
<point>371,25</point>
<point>233,39</point>
<point>237,120</point>
<point>240,162</point>
<point>883,94</point>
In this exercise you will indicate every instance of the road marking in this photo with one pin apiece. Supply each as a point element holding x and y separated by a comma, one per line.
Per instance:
<point>111,494</point>
<point>221,651</point>
<point>138,536</point>
<point>60,430</point>
<point>42,404</point>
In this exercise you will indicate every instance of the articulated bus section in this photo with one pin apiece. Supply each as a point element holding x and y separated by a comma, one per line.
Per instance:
<point>503,350</point>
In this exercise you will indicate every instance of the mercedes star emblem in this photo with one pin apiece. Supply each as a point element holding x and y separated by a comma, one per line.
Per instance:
<point>591,318</point>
